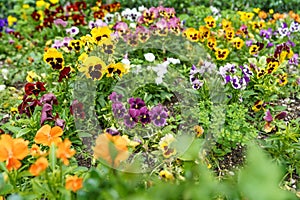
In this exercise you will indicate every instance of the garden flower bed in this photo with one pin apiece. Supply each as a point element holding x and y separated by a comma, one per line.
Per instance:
<point>104,101</point>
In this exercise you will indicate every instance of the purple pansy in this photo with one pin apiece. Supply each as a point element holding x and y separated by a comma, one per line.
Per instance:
<point>144,115</point>
<point>118,110</point>
<point>158,115</point>
<point>136,103</point>
<point>266,33</point>
<point>49,98</point>
<point>46,113</point>
<point>114,97</point>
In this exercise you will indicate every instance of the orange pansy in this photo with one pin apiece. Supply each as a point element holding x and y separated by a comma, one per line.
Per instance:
<point>12,151</point>
<point>46,135</point>
<point>35,151</point>
<point>64,152</point>
<point>74,183</point>
<point>40,165</point>
<point>112,149</point>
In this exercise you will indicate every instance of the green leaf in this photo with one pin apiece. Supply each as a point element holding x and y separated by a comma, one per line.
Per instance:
<point>52,156</point>
<point>22,132</point>
<point>260,178</point>
<point>193,150</point>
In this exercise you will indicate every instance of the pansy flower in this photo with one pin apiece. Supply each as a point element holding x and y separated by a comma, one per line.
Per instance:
<point>210,22</point>
<point>119,110</point>
<point>294,27</point>
<point>238,42</point>
<point>174,26</point>
<point>65,73</point>
<point>212,43</point>
<point>12,151</point>
<point>78,19</point>
<point>131,39</point>
<point>93,67</point>
<point>47,135</point>
<point>115,68</point>
<point>165,145</point>
<point>35,16</point>
<point>108,47</point>
<point>111,149</point>
<point>229,33</point>
<point>258,25</point>
<point>225,24</point>
<point>283,30</point>
<point>144,115</point>
<point>159,115</point>
<point>282,79</point>
<point>39,166</point>
<point>99,14</point>
<point>76,45</point>
<point>255,48</point>
<point>143,33</point>
<point>221,54</point>
<point>72,31</point>
<point>204,33</point>
<point>54,58</point>
<point>246,16</point>
<point>100,34</point>
<point>266,33</point>
<point>269,119</point>
<point>272,66</point>
<point>74,183</point>
<point>34,88</point>
<point>136,103</point>
<point>258,105</point>
<point>191,34</point>
<point>161,27</point>
<point>64,151</point>
<point>76,109</point>
<point>149,15</point>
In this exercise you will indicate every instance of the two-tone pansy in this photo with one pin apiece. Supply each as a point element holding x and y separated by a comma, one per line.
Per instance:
<point>54,58</point>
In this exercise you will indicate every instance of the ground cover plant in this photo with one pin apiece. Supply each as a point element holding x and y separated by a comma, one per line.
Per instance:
<point>143,100</point>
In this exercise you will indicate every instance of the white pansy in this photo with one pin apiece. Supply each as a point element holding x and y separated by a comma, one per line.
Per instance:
<point>5,74</point>
<point>2,87</point>
<point>132,25</point>
<point>174,61</point>
<point>125,61</point>
<point>149,57</point>
<point>108,18</point>
<point>141,8</point>
<point>158,80</point>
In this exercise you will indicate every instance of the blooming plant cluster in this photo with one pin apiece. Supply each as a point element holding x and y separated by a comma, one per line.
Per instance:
<point>66,67</point>
<point>138,112</point>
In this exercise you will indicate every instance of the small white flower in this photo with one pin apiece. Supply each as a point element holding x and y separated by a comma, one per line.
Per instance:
<point>138,69</point>
<point>173,61</point>
<point>125,61</point>
<point>158,80</point>
<point>149,57</point>
<point>108,18</point>
<point>118,16</point>
<point>2,87</point>
<point>141,8</point>
<point>5,74</point>
<point>73,30</point>
<point>132,25</point>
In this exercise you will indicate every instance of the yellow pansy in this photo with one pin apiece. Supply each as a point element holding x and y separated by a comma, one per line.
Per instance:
<point>191,34</point>
<point>100,34</point>
<point>32,76</point>
<point>256,10</point>
<point>11,20</point>
<point>54,1</point>
<point>25,6</point>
